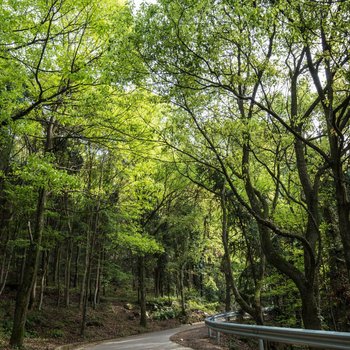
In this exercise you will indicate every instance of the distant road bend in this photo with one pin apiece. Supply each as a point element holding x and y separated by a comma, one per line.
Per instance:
<point>146,341</point>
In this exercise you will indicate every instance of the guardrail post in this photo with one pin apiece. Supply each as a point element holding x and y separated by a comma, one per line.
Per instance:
<point>261,344</point>
<point>218,337</point>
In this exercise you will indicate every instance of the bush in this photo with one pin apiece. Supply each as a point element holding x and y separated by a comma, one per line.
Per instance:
<point>7,326</point>
<point>56,333</point>
<point>31,334</point>
<point>163,301</point>
<point>165,313</point>
<point>201,304</point>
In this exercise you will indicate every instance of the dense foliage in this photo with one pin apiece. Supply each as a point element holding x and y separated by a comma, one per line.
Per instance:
<point>188,148</point>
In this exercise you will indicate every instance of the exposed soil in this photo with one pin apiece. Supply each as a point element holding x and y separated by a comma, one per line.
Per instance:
<point>198,339</point>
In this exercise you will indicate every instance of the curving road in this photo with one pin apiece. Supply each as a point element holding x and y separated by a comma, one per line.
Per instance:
<point>147,341</point>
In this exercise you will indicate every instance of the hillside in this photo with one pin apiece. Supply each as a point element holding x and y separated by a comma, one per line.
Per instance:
<point>113,317</point>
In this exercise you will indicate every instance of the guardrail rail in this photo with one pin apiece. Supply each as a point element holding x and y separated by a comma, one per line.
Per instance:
<point>320,339</point>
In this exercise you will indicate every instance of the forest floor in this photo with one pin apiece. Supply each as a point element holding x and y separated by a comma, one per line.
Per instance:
<point>58,325</point>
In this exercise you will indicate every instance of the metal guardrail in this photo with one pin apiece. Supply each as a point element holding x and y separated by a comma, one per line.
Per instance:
<point>296,336</point>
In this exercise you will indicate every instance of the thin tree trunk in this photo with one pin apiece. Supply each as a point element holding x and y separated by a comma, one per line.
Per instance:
<point>97,282</point>
<point>33,295</point>
<point>67,272</point>
<point>43,279</point>
<point>3,249</point>
<point>168,290</point>
<point>100,277</point>
<point>58,277</point>
<point>6,271</point>
<point>86,296</point>
<point>56,263</point>
<point>77,256</point>
<point>90,254</point>
<point>159,275</point>
<point>86,267</point>
<point>142,289</point>
<point>156,281</point>
<point>23,265</point>
<point>182,289</point>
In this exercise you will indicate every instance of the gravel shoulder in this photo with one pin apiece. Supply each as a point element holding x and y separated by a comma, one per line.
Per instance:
<point>196,338</point>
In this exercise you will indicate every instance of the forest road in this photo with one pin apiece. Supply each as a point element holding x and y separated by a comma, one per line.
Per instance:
<point>146,341</point>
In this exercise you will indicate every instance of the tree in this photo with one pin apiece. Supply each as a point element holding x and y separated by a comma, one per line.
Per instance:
<point>225,66</point>
<point>52,51</point>
<point>141,200</point>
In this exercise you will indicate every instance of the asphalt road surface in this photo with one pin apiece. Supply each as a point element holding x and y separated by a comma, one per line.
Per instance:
<point>147,341</point>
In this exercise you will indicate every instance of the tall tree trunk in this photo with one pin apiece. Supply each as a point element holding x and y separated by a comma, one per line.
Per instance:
<point>43,278</point>
<point>76,267</point>
<point>86,295</point>
<point>97,281</point>
<point>67,272</point>
<point>87,276</point>
<point>338,289</point>
<point>255,309</point>
<point>56,263</point>
<point>5,272</point>
<point>182,288</point>
<point>58,274</point>
<point>343,209</point>
<point>3,253</point>
<point>142,289</point>
<point>310,290</point>
<point>33,295</point>
<point>156,281</point>
<point>310,312</point>
<point>159,275</point>
<point>30,271</point>
<point>336,130</point>
<point>227,286</point>
<point>23,265</point>
<point>306,283</point>
<point>91,247</point>
<point>86,268</point>
<point>101,289</point>
<point>6,146</point>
